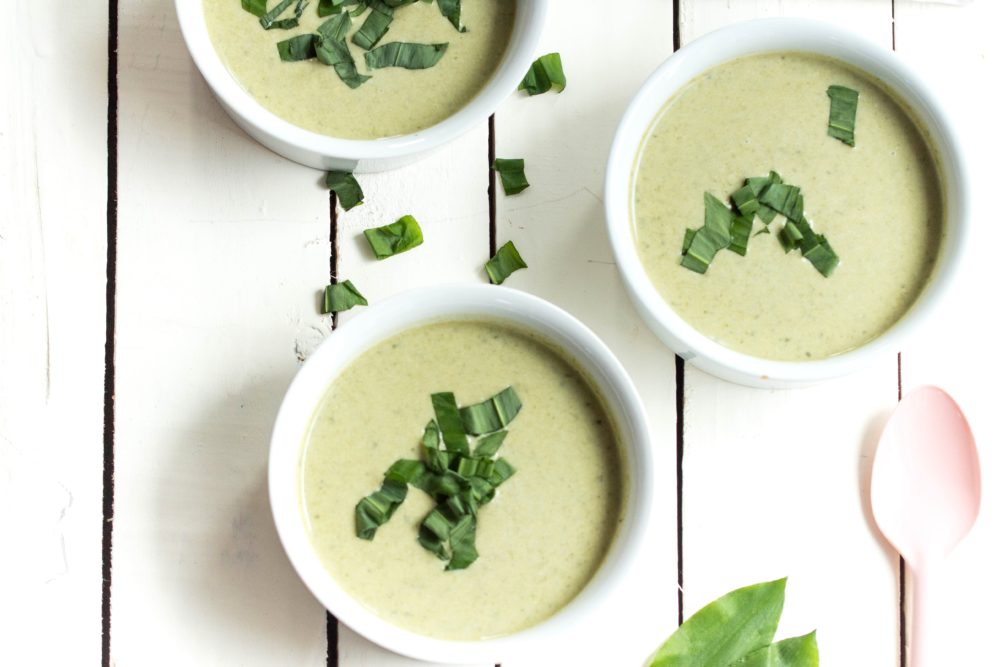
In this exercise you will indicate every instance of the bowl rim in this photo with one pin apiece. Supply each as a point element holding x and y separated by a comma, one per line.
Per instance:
<point>764,36</point>
<point>596,601</point>
<point>529,21</point>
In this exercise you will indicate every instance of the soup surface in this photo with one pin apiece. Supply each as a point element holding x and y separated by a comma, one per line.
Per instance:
<point>540,540</point>
<point>879,204</point>
<point>395,100</point>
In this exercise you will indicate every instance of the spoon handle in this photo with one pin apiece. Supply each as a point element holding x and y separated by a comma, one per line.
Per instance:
<point>922,650</point>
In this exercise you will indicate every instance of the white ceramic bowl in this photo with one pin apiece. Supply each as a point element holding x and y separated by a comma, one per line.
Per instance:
<point>361,156</point>
<point>763,36</point>
<point>597,601</point>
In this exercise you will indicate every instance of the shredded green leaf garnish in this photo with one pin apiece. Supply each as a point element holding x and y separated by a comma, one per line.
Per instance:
<point>270,21</point>
<point>346,187</point>
<point>328,7</point>
<point>843,110</point>
<point>331,49</point>
<point>256,7</point>
<point>492,414</point>
<point>375,26</point>
<point>740,233</point>
<point>450,422</point>
<point>297,48</point>
<point>545,74</point>
<point>745,199</point>
<point>489,445</point>
<point>713,236</point>
<point>505,262</point>
<point>342,296</point>
<point>512,176</point>
<point>405,54</point>
<point>376,509</point>
<point>452,10</point>
<point>400,236</point>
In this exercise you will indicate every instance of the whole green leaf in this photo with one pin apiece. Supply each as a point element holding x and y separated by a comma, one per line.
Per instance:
<point>793,652</point>
<point>727,629</point>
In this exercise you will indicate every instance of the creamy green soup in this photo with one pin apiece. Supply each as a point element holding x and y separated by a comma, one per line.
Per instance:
<point>879,204</point>
<point>540,540</point>
<point>395,100</point>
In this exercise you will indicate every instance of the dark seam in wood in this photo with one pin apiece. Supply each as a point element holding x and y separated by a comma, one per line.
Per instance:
<point>679,383</point>
<point>902,563</point>
<point>108,475</point>
<point>677,24</point>
<point>491,188</point>
<point>892,5</point>
<point>332,625</point>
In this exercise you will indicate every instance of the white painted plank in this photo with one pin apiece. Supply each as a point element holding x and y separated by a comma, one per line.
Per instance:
<point>223,248</point>
<point>775,483</point>
<point>956,49</point>
<point>52,261</point>
<point>558,226</point>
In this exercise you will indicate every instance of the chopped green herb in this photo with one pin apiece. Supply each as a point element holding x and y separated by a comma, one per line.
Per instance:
<point>256,7</point>
<point>545,74</point>
<point>376,509</point>
<point>405,54</point>
<point>270,21</point>
<point>463,543</point>
<point>489,445</point>
<point>502,471</point>
<point>843,110</point>
<point>505,262</point>
<point>328,7</point>
<point>400,236</point>
<point>331,49</point>
<point>346,187</point>
<point>742,226</point>
<point>688,239</point>
<point>375,26</point>
<point>821,256</point>
<point>450,422</point>
<point>713,236</point>
<point>342,296</point>
<point>492,414</point>
<point>452,10</point>
<point>790,237</point>
<point>335,29</point>
<point>511,175</point>
<point>297,48</point>
<point>745,199</point>
<point>437,459</point>
<point>781,197</point>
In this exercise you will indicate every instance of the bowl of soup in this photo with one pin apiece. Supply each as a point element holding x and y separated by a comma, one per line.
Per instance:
<point>463,474</point>
<point>786,202</point>
<point>342,85</point>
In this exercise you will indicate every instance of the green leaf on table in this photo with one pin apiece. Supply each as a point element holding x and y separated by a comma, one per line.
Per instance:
<point>843,111</point>
<point>793,652</point>
<point>270,20</point>
<point>342,296</point>
<point>398,237</point>
<point>405,54</point>
<point>512,176</point>
<point>452,10</point>
<point>726,630</point>
<point>346,187</point>
<point>505,262</point>
<point>300,47</point>
<point>256,7</point>
<point>545,74</point>
<point>375,26</point>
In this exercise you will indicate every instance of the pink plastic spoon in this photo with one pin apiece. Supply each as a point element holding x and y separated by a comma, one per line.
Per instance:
<point>925,497</point>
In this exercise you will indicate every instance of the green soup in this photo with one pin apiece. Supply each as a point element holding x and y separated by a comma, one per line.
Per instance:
<point>880,205</point>
<point>395,100</point>
<point>540,540</point>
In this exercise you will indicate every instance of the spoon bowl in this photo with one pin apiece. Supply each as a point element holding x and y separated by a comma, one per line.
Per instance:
<point>925,494</point>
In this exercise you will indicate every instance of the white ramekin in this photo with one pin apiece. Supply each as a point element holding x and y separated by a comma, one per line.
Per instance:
<point>361,156</point>
<point>761,36</point>
<point>598,600</point>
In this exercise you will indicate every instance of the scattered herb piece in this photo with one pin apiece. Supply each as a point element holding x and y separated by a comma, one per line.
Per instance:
<point>270,21</point>
<point>545,74</point>
<point>300,47</point>
<point>511,175</point>
<point>375,26</point>
<point>346,187</point>
<point>256,7</point>
<point>452,10</point>
<point>400,236</point>
<point>405,54</point>
<point>492,414</point>
<point>843,110</point>
<point>505,262</point>
<point>342,296</point>
<point>737,629</point>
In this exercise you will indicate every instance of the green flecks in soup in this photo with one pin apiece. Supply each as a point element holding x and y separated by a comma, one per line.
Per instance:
<point>397,100</point>
<point>542,537</point>
<point>879,202</point>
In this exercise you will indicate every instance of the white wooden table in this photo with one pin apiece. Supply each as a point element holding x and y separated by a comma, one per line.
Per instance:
<point>160,277</point>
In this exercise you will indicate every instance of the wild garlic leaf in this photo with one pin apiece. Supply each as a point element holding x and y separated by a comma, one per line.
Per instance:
<point>793,652</point>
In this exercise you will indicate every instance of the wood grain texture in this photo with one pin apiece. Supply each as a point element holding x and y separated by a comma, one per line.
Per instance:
<point>52,259</point>
<point>955,48</point>
<point>775,482</point>
<point>558,226</point>
<point>223,253</point>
